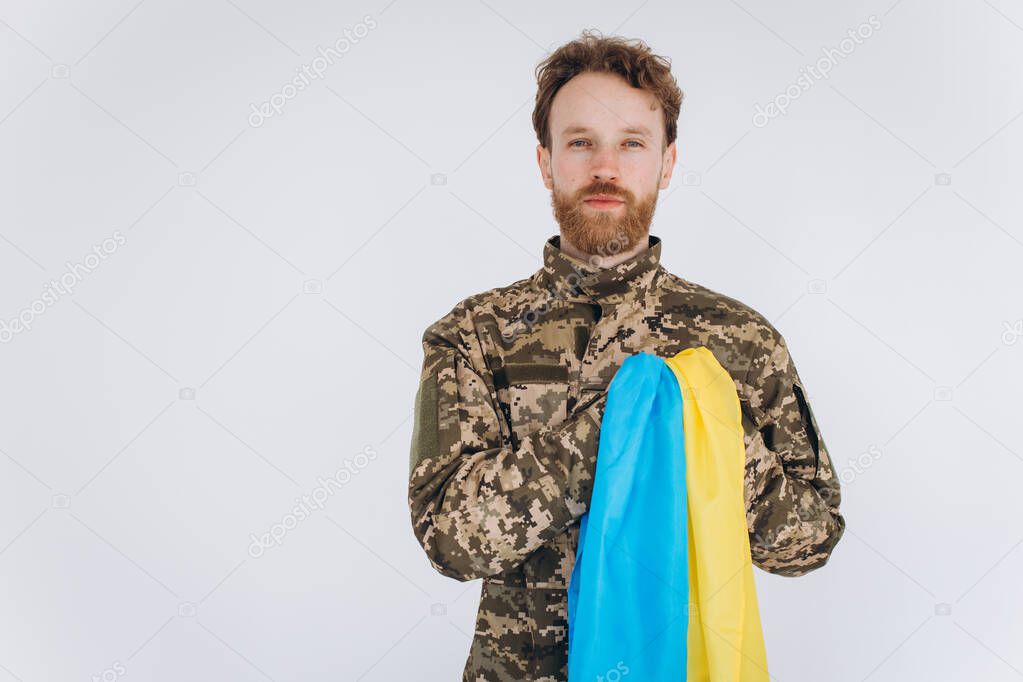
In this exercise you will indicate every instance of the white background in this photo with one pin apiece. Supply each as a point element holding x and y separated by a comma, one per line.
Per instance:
<point>284,273</point>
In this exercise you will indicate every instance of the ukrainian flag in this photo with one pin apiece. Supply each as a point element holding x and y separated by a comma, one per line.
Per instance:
<point>662,588</point>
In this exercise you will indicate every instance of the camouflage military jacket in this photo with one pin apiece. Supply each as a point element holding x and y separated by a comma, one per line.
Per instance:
<point>507,424</point>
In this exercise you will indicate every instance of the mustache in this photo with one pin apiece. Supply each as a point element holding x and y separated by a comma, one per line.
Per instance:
<point>608,189</point>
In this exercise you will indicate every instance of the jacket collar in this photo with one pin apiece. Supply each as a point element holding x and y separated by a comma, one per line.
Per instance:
<point>572,278</point>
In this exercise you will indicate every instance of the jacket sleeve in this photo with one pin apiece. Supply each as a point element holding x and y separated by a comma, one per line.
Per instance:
<point>478,506</point>
<point>793,494</point>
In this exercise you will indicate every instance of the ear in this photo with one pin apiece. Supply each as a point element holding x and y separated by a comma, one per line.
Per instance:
<point>543,159</point>
<point>667,165</point>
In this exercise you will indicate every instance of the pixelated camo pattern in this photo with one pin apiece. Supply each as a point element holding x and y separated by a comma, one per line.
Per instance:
<point>507,425</point>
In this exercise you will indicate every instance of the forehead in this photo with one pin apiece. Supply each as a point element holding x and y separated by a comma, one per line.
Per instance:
<point>604,102</point>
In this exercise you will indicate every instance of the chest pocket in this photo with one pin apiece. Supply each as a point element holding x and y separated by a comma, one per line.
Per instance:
<point>532,394</point>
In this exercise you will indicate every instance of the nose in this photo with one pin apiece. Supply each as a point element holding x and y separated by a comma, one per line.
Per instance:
<point>604,165</point>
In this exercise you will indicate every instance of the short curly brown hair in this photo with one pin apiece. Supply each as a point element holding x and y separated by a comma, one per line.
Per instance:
<point>592,52</point>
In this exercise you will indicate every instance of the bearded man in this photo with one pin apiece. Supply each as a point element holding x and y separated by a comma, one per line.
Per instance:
<point>514,380</point>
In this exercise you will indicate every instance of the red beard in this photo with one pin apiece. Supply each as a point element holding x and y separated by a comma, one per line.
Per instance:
<point>604,233</point>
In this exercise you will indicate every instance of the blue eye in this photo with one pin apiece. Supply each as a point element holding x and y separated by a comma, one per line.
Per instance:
<point>628,142</point>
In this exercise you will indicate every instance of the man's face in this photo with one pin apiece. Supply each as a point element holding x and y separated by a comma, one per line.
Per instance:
<point>606,139</point>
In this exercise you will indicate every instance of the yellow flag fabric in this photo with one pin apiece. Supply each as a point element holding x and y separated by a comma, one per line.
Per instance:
<point>725,638</point>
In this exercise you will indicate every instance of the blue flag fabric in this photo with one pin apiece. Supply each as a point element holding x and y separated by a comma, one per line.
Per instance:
<point>628,595</point>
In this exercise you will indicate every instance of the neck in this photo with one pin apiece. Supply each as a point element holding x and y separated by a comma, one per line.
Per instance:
<point>602,260</point>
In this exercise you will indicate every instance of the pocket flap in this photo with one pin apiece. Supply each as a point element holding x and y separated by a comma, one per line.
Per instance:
<point>530,373</point>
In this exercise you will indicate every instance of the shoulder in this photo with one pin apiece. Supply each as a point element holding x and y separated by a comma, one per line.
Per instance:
<point>464,319</point>
<point>717,308</point>
<point>741,332</point>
